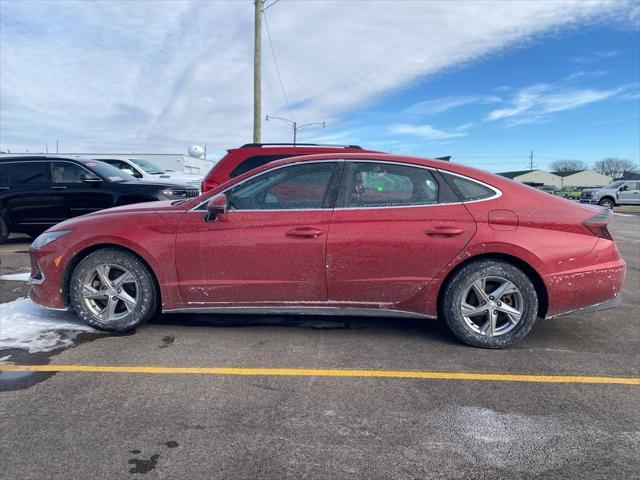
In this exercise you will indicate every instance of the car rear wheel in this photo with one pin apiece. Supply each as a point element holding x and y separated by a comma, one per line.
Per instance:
<point>113,290</point>
<point>490,304</point>
<point>606,203</point>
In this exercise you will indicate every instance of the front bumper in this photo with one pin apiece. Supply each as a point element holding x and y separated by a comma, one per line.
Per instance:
<point>593,201</point>
<point>47,273</point>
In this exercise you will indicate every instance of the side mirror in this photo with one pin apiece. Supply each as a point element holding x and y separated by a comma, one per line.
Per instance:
<point>90,178</point>
<point>216,206</point>
<point>624,188</point>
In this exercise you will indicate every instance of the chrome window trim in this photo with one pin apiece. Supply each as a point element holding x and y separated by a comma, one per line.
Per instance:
<point>498,193</point>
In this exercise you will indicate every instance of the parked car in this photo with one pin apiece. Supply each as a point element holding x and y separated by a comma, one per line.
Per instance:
<point>340,234</point>
<point>253,155</point>
<point>40,191</point>
<point>620,192</point>
<point>148,172</point>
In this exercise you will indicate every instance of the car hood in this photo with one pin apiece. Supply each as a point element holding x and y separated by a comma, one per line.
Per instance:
<point>177,177</point>
<point>146,207</point>
<point>167,185</point>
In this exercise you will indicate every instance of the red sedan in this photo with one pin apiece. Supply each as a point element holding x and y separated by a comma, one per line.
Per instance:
<point>340,234</point>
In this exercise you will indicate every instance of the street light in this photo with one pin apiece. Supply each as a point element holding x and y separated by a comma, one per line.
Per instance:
<point>294,125</point>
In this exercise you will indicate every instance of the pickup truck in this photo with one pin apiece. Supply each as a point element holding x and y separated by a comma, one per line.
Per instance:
<point>620,192</point>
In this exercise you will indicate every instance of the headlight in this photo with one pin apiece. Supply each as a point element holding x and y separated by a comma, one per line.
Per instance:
<point>47,237</point>
<point>174,193</point>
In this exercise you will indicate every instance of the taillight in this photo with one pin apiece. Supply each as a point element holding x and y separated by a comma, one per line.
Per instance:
<point>597,225</point>
<point>208,185</point>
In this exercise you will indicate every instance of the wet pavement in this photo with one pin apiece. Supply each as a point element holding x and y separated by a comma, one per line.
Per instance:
<point>128,425</point>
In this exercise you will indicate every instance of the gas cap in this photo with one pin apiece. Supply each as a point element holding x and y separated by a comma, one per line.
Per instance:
<point>503,220</point>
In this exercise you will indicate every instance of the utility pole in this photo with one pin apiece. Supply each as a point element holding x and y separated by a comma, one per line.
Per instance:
<point>257,66</point>
<point>294,125</point>
<point>531,161</point>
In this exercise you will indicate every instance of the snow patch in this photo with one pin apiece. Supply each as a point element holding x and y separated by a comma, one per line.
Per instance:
<point>16,277</point>
<point>26,326</point>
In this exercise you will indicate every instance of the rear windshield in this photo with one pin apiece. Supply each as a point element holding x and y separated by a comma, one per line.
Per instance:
<point>255,162</point>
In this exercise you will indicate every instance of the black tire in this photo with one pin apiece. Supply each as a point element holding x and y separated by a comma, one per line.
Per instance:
<point>452,299</point>
<point>607,203</point>
<point>4,229</point>
<point>141,287</point>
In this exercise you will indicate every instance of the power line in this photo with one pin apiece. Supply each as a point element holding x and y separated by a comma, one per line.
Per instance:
<point>275,61</point>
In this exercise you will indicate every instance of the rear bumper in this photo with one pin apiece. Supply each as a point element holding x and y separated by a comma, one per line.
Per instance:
<point>598,307</point>
<point>588,289</point>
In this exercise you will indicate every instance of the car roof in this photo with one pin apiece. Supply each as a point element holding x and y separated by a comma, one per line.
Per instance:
<point>442,165</point>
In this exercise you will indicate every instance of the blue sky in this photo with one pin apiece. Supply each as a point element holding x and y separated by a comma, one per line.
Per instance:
<point>484,81</point>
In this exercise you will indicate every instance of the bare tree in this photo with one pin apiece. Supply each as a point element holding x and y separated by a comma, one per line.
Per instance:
<point>568,165</point>
<point>615,167</point>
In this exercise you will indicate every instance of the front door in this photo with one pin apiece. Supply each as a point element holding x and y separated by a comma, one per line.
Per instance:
<point>75,196</point>
<point>268,248</point>
<point>629,194</point>
<point>394,229</point>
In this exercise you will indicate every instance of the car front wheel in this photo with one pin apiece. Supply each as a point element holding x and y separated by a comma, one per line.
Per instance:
<point>113,290</point>
<point>490,304</point>
<point>606,203</point>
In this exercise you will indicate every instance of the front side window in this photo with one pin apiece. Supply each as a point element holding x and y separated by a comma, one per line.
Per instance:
<point>297,187</point>
<point>386,185</point>
<point>66,172</point>
<point>29,173</point>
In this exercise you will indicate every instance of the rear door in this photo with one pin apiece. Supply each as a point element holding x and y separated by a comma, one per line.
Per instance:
<point>26,195</point>
<point>394,228</point>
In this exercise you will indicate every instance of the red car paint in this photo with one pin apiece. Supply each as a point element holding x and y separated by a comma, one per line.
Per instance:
<point>391,258</point>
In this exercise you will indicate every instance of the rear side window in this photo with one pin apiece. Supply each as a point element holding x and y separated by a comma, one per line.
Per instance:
<point>29,173</point>
<point>255,162</point>
<point>386,185</point>
<point>468,190</point>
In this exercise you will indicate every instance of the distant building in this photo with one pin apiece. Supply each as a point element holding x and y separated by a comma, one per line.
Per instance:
<point>536,177</point>
<point>582,178</point>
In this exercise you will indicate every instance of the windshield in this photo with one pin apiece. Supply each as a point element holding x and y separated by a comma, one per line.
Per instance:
<point>617,184</point>
<point>147,166</point>
<point>107,171</point>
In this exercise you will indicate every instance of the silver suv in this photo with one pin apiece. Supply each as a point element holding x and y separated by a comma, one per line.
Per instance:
<point>620,192</point>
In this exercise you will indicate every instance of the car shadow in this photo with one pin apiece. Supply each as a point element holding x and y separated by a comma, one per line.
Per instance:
<point>435,330</point>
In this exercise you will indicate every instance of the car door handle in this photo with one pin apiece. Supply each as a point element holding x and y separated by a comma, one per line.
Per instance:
<point>304,232</point>
<point>58,188</point>
<point>445,231</point>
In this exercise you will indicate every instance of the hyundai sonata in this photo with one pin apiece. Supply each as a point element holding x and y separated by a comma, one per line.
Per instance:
<point>341,234</point>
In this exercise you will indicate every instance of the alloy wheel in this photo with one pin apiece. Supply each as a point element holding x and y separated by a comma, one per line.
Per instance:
<point>110,292</point>
<point>492,306</point>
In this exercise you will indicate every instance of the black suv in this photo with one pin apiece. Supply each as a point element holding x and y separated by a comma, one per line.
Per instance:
<point>37,192</point>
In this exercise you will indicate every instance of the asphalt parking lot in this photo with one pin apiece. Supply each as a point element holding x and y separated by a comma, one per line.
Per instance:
<point>172,422</point>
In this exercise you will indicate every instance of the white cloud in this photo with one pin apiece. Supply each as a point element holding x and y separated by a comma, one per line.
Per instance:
<point>594,57</point>
<point>158,76</point>
<point>536,103</point>
<point>440,105</point>
<point>426,132</point>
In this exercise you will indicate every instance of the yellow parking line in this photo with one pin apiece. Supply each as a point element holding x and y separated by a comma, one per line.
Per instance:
<point>305,372</point>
